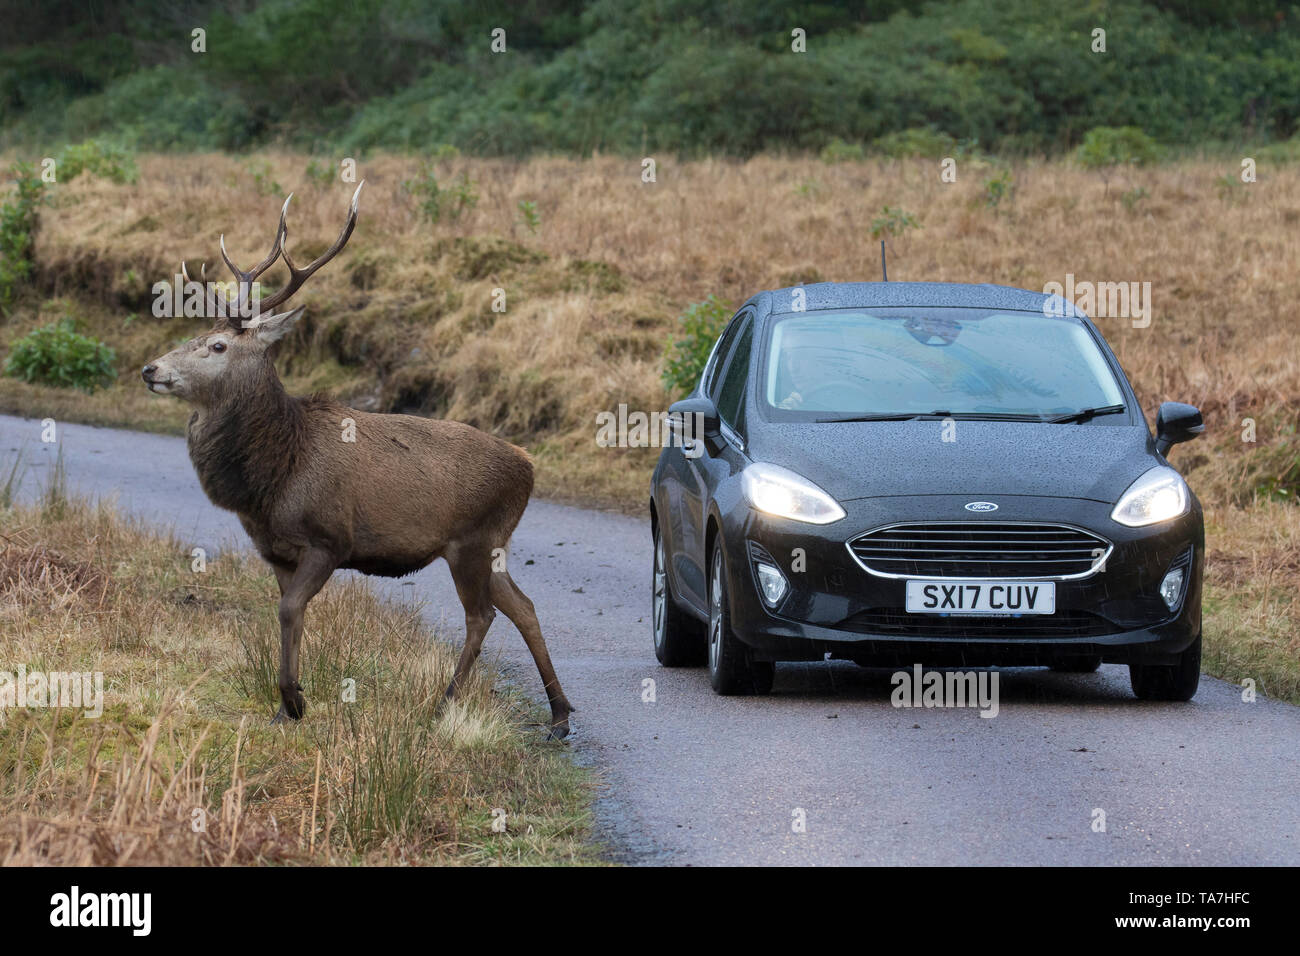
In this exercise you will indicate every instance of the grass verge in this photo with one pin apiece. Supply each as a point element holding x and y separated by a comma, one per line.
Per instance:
<point>182,768</point>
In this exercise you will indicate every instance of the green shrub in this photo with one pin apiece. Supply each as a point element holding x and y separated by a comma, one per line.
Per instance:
<point>1287,151</point>
<point>56,354</point>
<point>107,160</point>
<point>892,222</point>
<point>700,326</point>
<point>19,218</point>
<point>263,180</point>
<point>916,142</point>
<point>838,151</point>
<point>435,201</point>
<point>1107,146</point>
<point>320,174</point>
<point>998,188</point>
<point>529,217</point>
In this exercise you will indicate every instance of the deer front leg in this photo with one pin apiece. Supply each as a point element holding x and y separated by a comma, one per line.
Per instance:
<point>471,571</point>
<point>296,589</point>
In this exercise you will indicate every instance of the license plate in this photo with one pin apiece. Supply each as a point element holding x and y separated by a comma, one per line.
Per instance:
<point>981,597</point>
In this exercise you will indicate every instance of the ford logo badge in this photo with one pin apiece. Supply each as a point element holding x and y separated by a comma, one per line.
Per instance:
<point>981,506</point>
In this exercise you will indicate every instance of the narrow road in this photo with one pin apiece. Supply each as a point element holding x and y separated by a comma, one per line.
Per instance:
<point>692,778</point>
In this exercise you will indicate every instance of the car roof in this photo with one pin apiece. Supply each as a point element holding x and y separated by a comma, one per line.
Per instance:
<point>850,295</point>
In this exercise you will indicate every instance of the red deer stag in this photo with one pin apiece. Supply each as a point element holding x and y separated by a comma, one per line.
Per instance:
<point>320,486</point>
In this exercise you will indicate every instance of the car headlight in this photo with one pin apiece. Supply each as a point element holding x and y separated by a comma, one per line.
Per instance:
<point>779,491</point>
<point>1159,495</point>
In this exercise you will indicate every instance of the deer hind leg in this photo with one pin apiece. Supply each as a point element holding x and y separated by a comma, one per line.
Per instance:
<point>507,596</point>
<point>471,570</point>
<point>296,589</point>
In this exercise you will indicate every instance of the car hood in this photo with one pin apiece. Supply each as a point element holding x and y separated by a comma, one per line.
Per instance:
<point>873,459</point>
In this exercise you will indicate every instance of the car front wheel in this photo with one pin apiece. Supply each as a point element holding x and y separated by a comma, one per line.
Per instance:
<point>732,669</point>
<point>679,638</point>
<point>1168,681</point>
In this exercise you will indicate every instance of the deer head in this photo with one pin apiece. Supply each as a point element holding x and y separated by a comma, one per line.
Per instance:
<point>238,348</point>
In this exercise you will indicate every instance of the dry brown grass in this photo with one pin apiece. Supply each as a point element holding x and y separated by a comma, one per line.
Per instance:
<point>188,664</point>
<point>403,319</point>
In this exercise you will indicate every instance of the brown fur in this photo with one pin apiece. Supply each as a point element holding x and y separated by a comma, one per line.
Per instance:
<point>319,486</point>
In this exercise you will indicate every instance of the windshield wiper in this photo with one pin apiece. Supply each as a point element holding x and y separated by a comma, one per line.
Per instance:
<point>1083,414</point>
<point>889,417</point>
<point>941,413</point>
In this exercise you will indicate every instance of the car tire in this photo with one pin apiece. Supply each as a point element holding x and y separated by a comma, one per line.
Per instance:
<point>679,638</point>
<point>1077,665</point>
<point>1169,681</point>
<point>732,669</point>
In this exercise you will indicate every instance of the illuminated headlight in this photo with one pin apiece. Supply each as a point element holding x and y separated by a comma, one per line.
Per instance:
<point>1159,495</point>
<point>779,491</point>
<point>771,582</point>
<point>1171,588</point>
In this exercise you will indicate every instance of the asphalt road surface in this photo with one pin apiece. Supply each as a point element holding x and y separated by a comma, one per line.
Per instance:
<point>692,778</point>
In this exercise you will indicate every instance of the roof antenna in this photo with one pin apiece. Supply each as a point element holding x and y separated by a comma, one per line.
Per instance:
<point>883,271</point>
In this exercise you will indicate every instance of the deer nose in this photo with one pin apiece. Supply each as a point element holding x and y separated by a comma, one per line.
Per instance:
<point>147,372</point>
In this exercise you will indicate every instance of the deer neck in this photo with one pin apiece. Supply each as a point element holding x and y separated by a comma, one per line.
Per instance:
<point>246,444</point>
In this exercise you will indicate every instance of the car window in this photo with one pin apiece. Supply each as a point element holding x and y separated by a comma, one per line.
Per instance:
<point>720,352</point>
<point>962,361</point>
<point>732,391</point>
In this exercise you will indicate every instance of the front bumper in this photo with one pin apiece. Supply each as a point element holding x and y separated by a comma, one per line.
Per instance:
<point>833,606</point>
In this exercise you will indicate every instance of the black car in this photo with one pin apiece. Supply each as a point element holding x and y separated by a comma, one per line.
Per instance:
<point>923,473</point>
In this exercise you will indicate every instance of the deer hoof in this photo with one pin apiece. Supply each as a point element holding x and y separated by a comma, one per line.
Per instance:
<point>559,730</point>
<point>284,717</point>
<point>292,706</point>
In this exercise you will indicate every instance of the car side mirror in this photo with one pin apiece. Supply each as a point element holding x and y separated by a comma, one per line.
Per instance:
<point>702,414</point>
<point>1176,422</point>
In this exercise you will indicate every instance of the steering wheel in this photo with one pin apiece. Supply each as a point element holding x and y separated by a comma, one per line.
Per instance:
<point>923,330</point>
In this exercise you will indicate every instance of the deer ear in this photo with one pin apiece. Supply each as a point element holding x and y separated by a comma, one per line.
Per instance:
<point>272,328</point>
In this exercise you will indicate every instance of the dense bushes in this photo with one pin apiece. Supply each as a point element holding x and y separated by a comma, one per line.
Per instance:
<point>19,219</point>
<point>56,354</point>
<point>700,326</point>
<point>675,76</point>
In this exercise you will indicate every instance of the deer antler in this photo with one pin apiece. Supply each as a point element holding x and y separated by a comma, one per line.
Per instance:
<point>220,305</point>
<point>298,276</point>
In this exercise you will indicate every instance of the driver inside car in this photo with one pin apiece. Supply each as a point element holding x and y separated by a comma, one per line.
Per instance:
<point>801,373</point>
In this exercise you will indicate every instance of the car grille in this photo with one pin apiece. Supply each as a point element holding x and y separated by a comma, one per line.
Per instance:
<point>896,621</point>
<point>981,549</point>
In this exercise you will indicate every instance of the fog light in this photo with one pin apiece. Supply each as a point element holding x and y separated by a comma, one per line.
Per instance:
<point>771,582</point>
<point>1171,588</point>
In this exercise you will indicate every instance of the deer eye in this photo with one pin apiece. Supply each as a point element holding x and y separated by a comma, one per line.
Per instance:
<point>218,346</point>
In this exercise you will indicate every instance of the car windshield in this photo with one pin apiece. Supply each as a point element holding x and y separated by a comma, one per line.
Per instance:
<point>899,362</point>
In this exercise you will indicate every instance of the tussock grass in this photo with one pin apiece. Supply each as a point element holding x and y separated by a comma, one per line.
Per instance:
<point>1252,609</point>
<point>188,663</point>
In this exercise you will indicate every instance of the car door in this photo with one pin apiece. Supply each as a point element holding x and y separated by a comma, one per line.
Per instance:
<point>678,490</point>
<point>702,473</point>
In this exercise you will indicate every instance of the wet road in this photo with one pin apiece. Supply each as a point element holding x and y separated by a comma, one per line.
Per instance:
<point>692,778</point>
